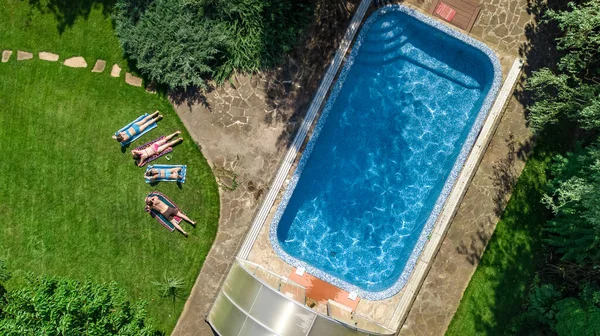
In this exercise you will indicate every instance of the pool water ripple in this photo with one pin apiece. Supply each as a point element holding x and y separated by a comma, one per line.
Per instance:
<point>390,140</point>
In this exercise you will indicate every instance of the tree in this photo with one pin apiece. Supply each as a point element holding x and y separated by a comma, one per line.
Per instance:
<point>571,92</point>
<point>183,43</point>
<point>574,198</point>
<point>549,311</point>
<point>56,306</point>
<point>170,42</point>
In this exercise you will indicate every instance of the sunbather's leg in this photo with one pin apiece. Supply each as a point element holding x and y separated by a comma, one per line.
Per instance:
<point>150,122</point>
<point>182,215</point>
<point>167,145</point>
<point>174,173</point>
<point>179,228</point>
<point>147,118</point>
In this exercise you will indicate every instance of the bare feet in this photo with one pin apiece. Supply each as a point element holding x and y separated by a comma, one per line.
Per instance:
<point>193,224</point>
<point>155,114</point>
<point>185,234</point>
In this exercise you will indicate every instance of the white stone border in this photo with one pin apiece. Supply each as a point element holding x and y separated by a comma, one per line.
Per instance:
<point>464,179</point>
<point>317,101</point>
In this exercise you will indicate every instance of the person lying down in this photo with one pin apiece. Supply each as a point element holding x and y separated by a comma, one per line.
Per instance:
<point>137,128</point>
<point>156,174</point>
<point>141,155</point>
<point>169,212</point>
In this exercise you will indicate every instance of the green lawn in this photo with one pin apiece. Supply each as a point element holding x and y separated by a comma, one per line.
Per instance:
<point>71,201</point>
<point>498,288</point>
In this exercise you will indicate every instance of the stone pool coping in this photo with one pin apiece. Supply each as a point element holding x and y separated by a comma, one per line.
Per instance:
<point>448,186</point>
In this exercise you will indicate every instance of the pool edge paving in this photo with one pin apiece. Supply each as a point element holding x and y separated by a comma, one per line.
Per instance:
<point>449,184</point>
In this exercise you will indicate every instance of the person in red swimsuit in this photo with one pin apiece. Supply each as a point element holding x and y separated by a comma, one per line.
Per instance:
<point>140,156</point>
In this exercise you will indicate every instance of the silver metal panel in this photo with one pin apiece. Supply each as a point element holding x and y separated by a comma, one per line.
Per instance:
<point>281,314</point>
<point>245,306</point>
<point>323,326</point>
<point>251,328</point>
<point>241,287</point>
<point>225,317</point>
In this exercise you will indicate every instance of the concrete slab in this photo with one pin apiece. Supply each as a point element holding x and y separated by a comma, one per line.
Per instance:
<point>115,71</point>
<point>6,55</point>
<point>99,66</point>
<point>23,55</point>
<point>76,62</point>
<point>132,80</point>
<point>47,56</point>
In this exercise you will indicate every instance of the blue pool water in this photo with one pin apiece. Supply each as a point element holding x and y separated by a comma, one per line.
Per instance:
<point>375,168</point>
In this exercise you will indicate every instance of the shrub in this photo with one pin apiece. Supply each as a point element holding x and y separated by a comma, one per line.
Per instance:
<point>57,306</point>
<point>183,43</point>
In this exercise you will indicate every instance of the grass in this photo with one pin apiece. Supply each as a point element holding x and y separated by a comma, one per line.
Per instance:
<point>499,286</point>
<point>72,201</point>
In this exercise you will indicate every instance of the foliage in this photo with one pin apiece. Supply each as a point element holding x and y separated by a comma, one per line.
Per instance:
<point>549,311</point>
<point>566,301</point>
<point>581,39</point>
<point>58,306</point>
<point>168,42</point>
<point>183,43</point>
<point>572,91</point>
<point>4,272</point>
<point>170,287</point>
<point>574,198</point>
<point>565,297</point>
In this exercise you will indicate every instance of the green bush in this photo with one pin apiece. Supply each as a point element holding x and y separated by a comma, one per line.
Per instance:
<point>183,43</point>
<point>58,306</point>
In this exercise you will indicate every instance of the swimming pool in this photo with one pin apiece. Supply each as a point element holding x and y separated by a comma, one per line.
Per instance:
<point>390,142</point>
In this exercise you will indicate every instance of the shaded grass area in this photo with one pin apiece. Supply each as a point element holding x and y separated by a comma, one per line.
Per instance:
<point>72,203</point>
<point>499,286</point>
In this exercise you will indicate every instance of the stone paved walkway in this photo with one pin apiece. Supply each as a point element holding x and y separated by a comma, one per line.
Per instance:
<point>77,62</point>
<point>243,130</point>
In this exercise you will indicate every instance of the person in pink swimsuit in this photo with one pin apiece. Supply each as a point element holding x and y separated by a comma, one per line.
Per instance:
<point>141,155</point>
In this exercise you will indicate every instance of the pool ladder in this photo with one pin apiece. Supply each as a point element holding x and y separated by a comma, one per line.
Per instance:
<point>381,3</point>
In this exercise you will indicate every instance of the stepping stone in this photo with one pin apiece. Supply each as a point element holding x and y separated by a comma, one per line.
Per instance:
<point>116,71</point>
<point>6,55</point>
<point>132,80</point>
<point>46,56</point>
<point>76,62</point>
<point>99,66</point>
<point>23,55</point>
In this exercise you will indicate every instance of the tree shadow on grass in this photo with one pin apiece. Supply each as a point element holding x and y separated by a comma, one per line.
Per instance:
<point>499,285</point>
<point>67,11</point>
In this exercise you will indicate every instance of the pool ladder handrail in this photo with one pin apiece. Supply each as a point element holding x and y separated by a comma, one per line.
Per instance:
<point>381,3</point>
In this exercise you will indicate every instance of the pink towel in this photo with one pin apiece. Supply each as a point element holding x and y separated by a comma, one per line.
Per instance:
<point>445,11</point>
<point>155,156</point>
